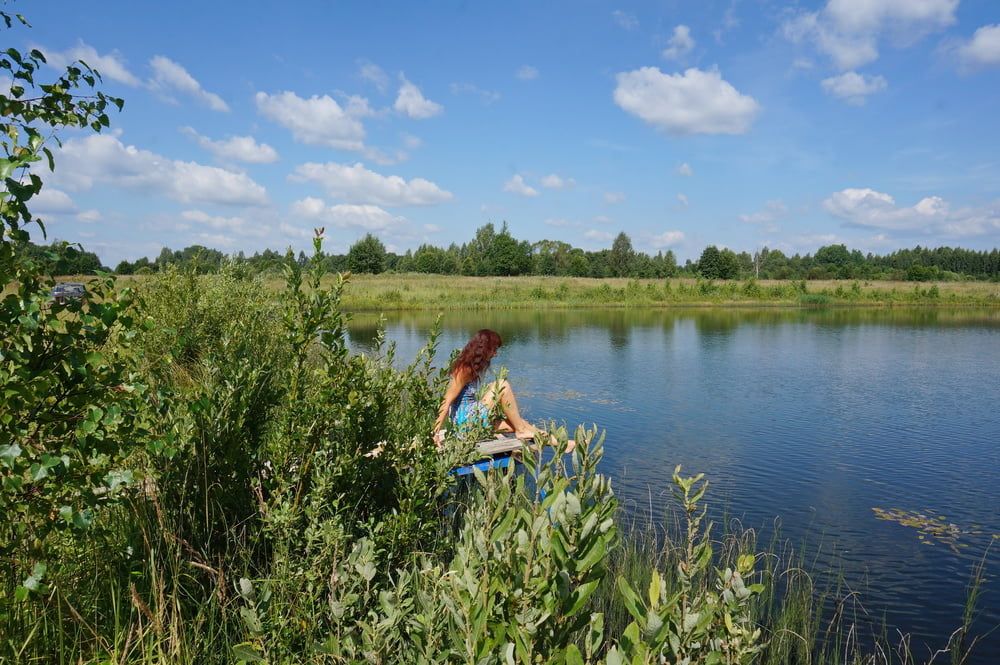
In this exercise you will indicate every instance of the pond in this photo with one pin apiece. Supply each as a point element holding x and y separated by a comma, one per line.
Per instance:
<point>872,436</point>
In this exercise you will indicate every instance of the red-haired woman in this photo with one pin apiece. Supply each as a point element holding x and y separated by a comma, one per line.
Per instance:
<point>466,401</point>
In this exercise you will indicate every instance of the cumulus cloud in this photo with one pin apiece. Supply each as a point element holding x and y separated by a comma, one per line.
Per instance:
<point>852,87</point>
<point>412,103</point>
<point>235,148</point>
<point>516,185</point>
<point>527,73</point>
<point>560,222</point>
<point>983,50</point>
<point>237,225</point>
<point>684,170</point>
<point>613,198</point>
<point>600,236</point>
<point>667,239</point>
<point>110,65</point>
<point>487,97</point>
<point>695,102</point>
<point>170,78</point>
<point>555,181</point>
<point>873,209</point>
<point>345,215</point>
<point>683,200</point>
<point>357,184</point>
<point>51,201</point>
<point>680,43</point>
<point>104,160</point>
<point>848,31</point>
<point>625,20</point>
<point>374,74</point>
<point>773,211</point>
<point>317,120</point>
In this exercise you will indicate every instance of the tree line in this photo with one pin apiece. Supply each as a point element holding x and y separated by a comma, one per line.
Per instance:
<point>496,252</point>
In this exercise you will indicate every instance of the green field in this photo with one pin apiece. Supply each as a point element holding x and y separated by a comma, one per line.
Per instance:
<point>415,291</point>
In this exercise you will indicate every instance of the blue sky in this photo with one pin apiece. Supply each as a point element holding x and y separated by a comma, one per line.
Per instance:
<point>740,123</point>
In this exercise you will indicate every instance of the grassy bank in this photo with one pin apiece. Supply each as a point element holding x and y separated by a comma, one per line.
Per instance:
<point>414,291</point>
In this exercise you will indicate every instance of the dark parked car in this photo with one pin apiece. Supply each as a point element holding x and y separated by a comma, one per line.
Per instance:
<point>68,291</point>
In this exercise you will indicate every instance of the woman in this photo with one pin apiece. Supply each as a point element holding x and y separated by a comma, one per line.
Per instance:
<point>465,403</point>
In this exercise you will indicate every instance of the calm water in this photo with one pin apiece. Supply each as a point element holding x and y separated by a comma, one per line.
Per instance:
<point>812,418</point>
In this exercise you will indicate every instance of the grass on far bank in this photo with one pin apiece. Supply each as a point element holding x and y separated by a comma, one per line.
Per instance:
<point>416,291</point>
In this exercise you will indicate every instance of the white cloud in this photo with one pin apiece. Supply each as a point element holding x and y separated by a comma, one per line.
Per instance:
<point>625,20</point>
<point>410,141</point>
<point>983,49</point>
<point>680,43</point>
<point>612,198</point>
<point>773,210</point>
<point>237,225</point>
<point>696,102</point>
<point>527,73</point>
<point>516,185</point>
<point>367,217</point>
<point>555,181</point>
<point>667,239</point>
<point>560,222</point>
<point>869,208</point>
<point>412,103</point>
<point>602,219</point>
<point>110,65</point>
<point>90,216</point>
<point>852,87</point>
<point>848,31</point>
<point>601,236</point>
<point>317,120</point>
<point>235,148</point>
<point>104,160</point>
<point>374,74</point>
<point>356,184</point>
<point>51,201</point>
<point>170,77</point>
<point>432,228</point>
<point>684,170</point>
<point>295,231</point>
<point>487,97</point>
<point>683,200</point>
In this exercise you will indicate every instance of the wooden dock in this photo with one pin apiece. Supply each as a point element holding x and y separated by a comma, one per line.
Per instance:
<point>495,453</point>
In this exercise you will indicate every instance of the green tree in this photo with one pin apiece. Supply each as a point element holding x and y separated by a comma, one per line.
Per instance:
<point>622,256</point>
<point>710,263</point>
<point>367,255</point>
<point>508,256</point>
<point>729,264</point>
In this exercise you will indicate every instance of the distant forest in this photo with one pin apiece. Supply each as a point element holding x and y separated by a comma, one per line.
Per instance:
<point>497,252</point>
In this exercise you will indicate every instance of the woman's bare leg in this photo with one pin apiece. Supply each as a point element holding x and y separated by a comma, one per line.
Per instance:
<point>501,393</point>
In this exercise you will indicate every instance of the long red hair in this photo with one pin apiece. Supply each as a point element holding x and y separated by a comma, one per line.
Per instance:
<point>476,356</point>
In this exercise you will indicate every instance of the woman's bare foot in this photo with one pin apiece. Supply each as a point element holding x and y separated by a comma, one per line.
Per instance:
<point>553,441</point>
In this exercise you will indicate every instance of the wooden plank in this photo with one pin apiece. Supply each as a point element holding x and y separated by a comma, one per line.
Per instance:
<point>502,445</point>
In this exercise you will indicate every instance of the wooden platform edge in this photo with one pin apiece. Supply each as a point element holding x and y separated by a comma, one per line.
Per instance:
<point>502,445</point>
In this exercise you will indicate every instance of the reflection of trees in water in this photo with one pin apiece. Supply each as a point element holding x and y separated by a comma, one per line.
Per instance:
<point>547,325</point>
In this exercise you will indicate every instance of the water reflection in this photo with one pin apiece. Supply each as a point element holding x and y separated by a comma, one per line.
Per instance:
<point>813,416</point>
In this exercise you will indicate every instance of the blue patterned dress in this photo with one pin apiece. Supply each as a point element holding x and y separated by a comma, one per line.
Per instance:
<point>467,410</point>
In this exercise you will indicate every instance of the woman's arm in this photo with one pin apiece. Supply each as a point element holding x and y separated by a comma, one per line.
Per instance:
<point>455,385</point>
